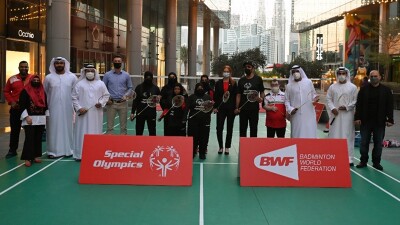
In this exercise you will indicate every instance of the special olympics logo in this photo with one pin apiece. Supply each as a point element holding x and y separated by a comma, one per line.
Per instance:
<point>164,159</point>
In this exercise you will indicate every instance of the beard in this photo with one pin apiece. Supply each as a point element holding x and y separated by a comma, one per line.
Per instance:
<point>59,69</point>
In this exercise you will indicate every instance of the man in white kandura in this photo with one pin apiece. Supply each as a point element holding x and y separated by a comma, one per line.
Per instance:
<point>300,95</point>
<point>341,101</point>
<point>58,87</point>
<point>89,96</point>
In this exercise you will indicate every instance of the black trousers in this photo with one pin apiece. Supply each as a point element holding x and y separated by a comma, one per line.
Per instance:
<point>366,129</point>
<point>150,118</point>
<point>229,115</point>
<point>166,125</point>
<point>15,124</point>
<point>33,142</point>
<point>176,131</point>
<point>200,132</point>
<point>248,117</point>
<point>280,132</point>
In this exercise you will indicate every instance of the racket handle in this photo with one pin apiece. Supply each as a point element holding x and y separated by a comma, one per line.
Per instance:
<point>333,120</point>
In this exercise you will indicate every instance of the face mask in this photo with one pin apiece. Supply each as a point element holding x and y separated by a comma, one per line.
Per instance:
<point>296,75</point>
<point>35,84</point>
<point>90,75</point>
<point>342,78</point>
<point>226,74</point>
<point>117,65</point>
<point>148,81</point>
<point>247,71</point>
<point>171,81</point>
<point>199,92</point>
<point>374,80</point>
<point>275,89</point>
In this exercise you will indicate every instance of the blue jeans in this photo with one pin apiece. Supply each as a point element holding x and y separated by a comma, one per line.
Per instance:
<point>378,134</point>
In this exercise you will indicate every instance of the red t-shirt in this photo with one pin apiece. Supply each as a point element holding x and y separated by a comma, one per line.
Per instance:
<point>275,119</point>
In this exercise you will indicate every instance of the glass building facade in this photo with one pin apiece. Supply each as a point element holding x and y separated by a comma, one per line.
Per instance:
<point>347,30</point>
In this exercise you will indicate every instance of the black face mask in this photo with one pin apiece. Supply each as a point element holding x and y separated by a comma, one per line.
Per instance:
<point>171,81</point>
<point>148,81</point>
<point>199,92</point>
<point>35,84</point>
<point>247,71</point>
<point>117,65</point>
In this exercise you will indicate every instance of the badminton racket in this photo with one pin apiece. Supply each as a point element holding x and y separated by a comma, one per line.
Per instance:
<point>273,104</point>
<point>205,107</point>
<point>225,98</point>
<point>343,101</point>
<point>98,102</point>
<point>309,98</point>
<point>252,96</point>
<point>151,102</point>
<point>177,101</point>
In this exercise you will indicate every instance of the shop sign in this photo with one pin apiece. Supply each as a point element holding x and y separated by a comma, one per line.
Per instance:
<point>24,34</point>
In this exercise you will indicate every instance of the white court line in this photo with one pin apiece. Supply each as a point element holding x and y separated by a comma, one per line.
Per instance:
<point>16,167</point>
<point>11,169</point>
<point>20,182</point>
<point>201,211</point>
<point>398,181</point>
<point>379,187</point>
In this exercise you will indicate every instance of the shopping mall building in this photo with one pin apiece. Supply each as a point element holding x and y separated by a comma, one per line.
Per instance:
<point>343,32</point>
<point>147,33</point>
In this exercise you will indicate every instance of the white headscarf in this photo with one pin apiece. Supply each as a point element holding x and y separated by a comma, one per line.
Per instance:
<point>52,68</point>
<point>301,71</point>
<point>347,71</point>
<point>83,72</point>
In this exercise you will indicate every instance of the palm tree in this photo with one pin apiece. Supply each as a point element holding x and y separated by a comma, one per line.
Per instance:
<point>184,57</point>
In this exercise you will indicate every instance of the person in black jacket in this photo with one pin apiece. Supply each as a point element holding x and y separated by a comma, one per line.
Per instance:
<point>199,122</point>
<point>176,116</point>
<point>374,111</point>
<point>143,114</point>
<point>225,110</point>
<point>166,93</point>
<point>33,106</point>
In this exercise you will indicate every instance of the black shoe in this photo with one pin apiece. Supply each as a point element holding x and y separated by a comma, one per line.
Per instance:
<point>220,151</point>
<point>361,165</point>
<point>351,164</point>
<point>377,166</point>
<point>11,154</point>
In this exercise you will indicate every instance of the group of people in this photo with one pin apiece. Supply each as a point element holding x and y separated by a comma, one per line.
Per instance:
<point>74,107</point>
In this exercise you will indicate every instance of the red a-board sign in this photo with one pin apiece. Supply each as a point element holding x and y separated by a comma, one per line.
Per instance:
<point>139,160</point>
<point>319,108</point>
<point>298,162</point>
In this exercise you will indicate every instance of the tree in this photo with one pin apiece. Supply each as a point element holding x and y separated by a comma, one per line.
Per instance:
<point>184,57</point>
<point>312,69</point>
<point>236,61</point>
<point>388,33</point>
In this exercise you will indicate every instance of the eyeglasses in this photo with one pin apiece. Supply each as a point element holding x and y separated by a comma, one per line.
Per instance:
<point>344,73</point>
<point>59,62</point>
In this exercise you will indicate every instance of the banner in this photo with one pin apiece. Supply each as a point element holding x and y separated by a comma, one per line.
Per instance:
<point>140,160</point>
<point>294,162</point>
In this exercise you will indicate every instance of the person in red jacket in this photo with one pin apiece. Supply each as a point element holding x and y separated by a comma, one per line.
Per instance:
<point>15,84</point>
<point>274,104</point>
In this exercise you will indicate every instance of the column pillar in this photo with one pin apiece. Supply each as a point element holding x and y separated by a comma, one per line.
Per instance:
<point>58,30</point>
<point>383,11</point>
<point>170,46</point>
<point>134,37</point>
<point>215,41</point>
<point>192,39</point>
<point>206,42</point>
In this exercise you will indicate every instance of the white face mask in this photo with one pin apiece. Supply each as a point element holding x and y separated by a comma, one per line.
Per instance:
<point>342,78</point>
<point>275,89</point>
<point>296,75</point>
<point>226,74</point>
<point>90,75</point>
